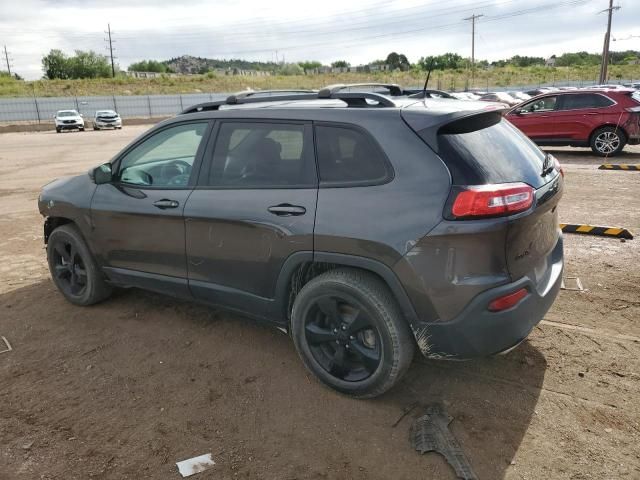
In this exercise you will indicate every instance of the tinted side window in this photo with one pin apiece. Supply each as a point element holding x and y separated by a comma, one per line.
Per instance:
<point>347,155</point>
<point>584,100</point>
<point>262,155</point>
<point>165,159</point>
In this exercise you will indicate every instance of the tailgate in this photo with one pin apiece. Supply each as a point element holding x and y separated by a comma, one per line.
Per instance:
<point>532,237</point>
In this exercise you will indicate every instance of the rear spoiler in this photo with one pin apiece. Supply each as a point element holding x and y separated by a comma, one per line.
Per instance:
<point>429,124</point>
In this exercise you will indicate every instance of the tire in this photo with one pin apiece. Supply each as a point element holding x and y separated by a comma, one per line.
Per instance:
<point>58,130</point>
<point>95,128</point>
<point>608,141</point>
<point>82,283</point>
<point>81,129</point>
<point>349,332</point>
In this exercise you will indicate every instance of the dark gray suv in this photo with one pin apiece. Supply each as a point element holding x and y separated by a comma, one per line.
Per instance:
<point>363,224</point>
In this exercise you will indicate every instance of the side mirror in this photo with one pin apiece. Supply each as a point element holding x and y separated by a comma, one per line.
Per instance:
<point>517,111</point>
<point>101,174</point>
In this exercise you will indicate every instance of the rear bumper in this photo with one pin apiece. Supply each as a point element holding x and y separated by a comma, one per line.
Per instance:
<point>69,126</point>
<point>477,332</point>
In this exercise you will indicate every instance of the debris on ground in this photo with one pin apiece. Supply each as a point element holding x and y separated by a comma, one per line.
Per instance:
<point>576,281</point>
<point>194,465</point>
<point>430,433</point>
<point>8,345</point>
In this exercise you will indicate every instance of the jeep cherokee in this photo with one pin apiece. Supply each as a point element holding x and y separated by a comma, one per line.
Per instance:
<point>365,225</point>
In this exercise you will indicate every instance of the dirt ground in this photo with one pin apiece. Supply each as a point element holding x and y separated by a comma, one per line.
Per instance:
<point>124,389</point>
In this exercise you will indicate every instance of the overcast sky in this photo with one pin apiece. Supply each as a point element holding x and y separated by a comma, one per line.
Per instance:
<point>358,31</point>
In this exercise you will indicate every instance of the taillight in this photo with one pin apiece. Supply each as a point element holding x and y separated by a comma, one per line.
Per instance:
<point>507,301</point>
<point>491,200</point>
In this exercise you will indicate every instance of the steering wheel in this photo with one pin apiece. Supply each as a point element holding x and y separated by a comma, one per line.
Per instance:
<point>184,166</point>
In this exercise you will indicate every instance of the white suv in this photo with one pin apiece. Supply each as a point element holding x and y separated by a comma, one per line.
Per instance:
<point>68,119</point>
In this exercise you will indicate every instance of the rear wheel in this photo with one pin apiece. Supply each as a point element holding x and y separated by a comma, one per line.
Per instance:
<point>608,141</point>
<point>73,268</point>
<point>58,130</point>
<point>349,332</point>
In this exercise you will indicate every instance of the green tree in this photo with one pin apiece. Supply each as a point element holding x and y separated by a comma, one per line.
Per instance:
<point>55,65</point>
<point>290,69</point>
<point>398,61</point>
<point>310,65</point>
<point>340,64</point>
<point>89,65</point>
<point>149,66</point>
<point>445,61</point>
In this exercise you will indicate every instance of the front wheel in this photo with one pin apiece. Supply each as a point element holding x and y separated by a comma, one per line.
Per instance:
<point>73,268</point>
<point>608,141</point>
<point>349,332</point>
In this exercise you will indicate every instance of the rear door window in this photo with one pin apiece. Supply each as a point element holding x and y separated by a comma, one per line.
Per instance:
<point>577,101</point>
<point>498,153</point>
<point>262,155</point>
<point>347,156</point>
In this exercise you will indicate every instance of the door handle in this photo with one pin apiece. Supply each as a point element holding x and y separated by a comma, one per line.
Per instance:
<point>287,210</point>
<point>166,203</point>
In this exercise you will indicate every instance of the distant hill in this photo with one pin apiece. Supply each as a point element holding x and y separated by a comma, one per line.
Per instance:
<point>186,64</point>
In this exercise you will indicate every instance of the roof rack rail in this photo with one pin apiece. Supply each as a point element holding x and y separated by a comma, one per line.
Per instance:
<point>333,92</point>
<point>232,99</point>
<point>395,90</point>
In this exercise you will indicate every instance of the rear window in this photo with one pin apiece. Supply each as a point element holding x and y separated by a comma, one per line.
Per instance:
<point>576,101</point>
<point>498,153</point>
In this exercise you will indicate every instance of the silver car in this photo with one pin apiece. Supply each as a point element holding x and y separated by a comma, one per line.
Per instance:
<point>106,119</point>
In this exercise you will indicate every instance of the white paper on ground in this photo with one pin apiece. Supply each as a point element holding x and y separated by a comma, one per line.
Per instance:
<point>194,465</point>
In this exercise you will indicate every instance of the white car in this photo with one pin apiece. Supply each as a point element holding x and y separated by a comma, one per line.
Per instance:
<point>106,119</point>
<point>68,120</point>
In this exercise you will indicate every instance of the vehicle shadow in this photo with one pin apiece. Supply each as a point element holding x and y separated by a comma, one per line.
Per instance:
<point>142,381</point>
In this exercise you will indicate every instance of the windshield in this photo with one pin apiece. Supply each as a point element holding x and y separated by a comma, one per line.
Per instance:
<point>106,112</point>
<point>67,113</point>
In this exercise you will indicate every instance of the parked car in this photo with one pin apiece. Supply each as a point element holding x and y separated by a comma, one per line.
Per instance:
<point>502,97</point>
<point>635,85</point>
<point>68,120</point>
<point>106,119</point>
<point>521,96</point>
<point>364,225</point>
<point>605,120</point>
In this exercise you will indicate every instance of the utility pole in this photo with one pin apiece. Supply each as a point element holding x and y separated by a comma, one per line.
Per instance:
<point>473,45</point>
<point>6,57</point>
<point>607,37</point>
<point>108,32</point>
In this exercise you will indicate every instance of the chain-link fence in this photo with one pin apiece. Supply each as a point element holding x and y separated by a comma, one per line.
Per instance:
<point>43,109</point>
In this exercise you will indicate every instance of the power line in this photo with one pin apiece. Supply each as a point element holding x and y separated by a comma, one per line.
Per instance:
<point>607,37</point>
<point>108,32</point>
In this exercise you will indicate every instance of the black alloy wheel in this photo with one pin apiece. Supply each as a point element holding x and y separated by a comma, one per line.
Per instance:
<point>69,268</point>
<point>342,338</point>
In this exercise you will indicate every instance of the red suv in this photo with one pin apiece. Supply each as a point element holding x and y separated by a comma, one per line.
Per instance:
<point>606,120</point>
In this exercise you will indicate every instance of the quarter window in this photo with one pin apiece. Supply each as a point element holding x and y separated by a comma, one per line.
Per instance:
<point>346,155</point>
<point>165,159</point>
<point>262,155</point>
